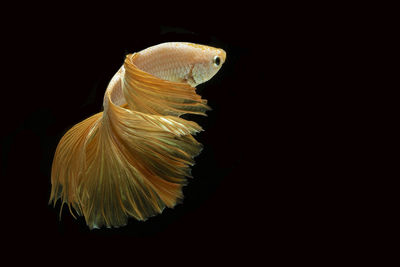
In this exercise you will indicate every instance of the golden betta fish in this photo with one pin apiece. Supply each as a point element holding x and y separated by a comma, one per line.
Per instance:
<point>132,159</point>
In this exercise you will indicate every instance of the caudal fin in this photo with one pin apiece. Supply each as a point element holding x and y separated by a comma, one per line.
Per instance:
<point>124,163</point>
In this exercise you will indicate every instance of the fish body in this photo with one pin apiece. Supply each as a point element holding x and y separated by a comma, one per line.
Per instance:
<point>181,62</point>
<point>132,159</point>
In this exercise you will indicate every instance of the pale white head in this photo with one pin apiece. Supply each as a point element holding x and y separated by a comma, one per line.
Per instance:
<point>207,61</point>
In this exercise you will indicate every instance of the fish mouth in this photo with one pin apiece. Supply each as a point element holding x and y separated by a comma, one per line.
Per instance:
<point>222,55</point>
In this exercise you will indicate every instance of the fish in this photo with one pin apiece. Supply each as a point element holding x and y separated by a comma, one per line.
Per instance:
<point>132,159</point>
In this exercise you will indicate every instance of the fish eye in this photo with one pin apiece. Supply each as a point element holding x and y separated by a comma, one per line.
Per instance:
<point>217,60</point>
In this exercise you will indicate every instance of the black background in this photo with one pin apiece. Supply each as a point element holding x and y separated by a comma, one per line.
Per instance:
<point>281,171</point>
<point>243,197</point>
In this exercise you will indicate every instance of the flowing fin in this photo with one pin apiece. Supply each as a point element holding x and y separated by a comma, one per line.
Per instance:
<point>149,94</point>
<point>129,162</point>
<point>69,161</point>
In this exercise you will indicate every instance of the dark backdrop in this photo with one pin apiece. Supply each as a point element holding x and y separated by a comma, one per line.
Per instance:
<point>60,63</point>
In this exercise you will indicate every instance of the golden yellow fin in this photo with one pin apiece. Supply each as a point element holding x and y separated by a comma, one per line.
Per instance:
<point>123,162</point>
<point>151,95</point>
<point>69,161</point>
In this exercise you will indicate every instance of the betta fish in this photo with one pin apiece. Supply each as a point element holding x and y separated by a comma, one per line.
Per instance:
<point>133,158</point>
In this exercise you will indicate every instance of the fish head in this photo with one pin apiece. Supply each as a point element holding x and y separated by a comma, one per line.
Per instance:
<point>206,62</point>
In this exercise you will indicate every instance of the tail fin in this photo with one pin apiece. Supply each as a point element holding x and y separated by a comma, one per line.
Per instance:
<point>124,163</point>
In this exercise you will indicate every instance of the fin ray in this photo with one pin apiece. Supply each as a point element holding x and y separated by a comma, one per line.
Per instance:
<point>129,162</point>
